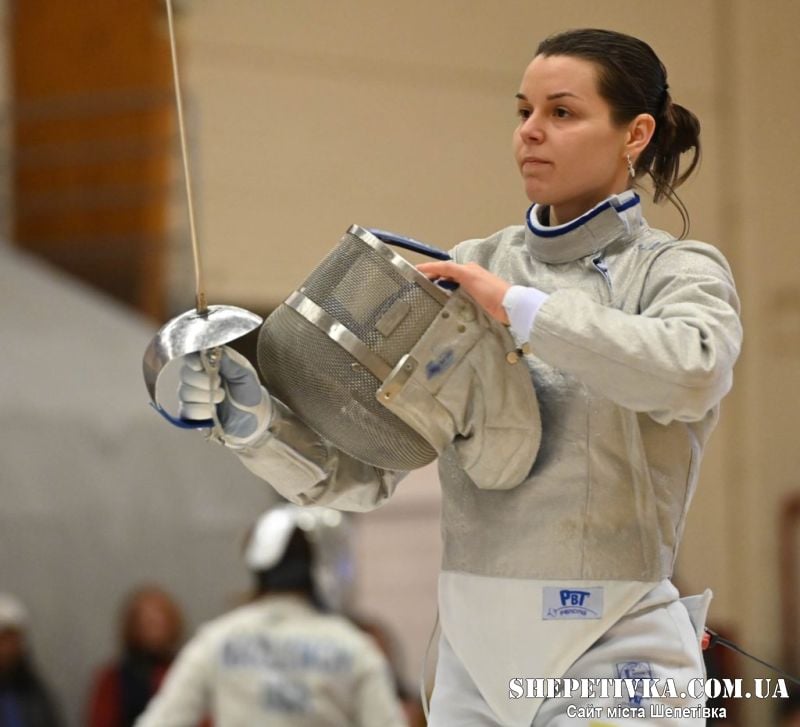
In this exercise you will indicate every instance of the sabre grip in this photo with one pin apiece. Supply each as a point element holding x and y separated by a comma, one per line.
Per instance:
<point>222,385</point>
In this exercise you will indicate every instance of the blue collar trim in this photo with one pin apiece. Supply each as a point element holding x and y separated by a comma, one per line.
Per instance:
<point>557,230</point>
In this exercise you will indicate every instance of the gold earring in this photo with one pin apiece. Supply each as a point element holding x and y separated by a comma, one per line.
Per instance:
<point>631,168</point>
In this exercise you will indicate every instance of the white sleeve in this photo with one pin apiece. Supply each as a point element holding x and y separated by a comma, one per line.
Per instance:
<point>672,359</point>
<point>184,698</point>
<point>522,304</point>
<point>308,470</point>
<point>377,704</point>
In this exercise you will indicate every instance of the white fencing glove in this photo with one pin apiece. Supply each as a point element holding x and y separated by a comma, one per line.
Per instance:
<point>233,397</point>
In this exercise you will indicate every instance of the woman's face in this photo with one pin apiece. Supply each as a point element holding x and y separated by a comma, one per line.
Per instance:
<point>570,154</point>
<point>153,627</point>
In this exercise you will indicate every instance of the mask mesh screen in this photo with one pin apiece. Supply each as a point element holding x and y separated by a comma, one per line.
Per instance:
<point>322,382</point>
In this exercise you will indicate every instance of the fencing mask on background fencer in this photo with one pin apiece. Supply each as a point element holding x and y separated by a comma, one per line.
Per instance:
<point>392,369</point>
<point>322,563</point>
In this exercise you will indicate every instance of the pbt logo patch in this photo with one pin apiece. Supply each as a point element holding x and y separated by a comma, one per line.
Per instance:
<point>572,603</point>
<point>635,670</point>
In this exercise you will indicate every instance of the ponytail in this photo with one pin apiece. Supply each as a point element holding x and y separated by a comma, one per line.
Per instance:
<point>677,132</point>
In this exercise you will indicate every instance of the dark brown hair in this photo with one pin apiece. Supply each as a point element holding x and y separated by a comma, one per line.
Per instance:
<point>129,616</point>
<point>633,81</point>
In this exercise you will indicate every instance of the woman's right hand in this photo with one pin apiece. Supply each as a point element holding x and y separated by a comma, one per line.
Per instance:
<point>242,404</point>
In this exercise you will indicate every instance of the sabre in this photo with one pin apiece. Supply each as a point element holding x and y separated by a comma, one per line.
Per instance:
<point>207,327</point>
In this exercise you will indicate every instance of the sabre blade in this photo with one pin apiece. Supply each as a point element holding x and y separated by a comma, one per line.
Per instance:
<point>200,295</point>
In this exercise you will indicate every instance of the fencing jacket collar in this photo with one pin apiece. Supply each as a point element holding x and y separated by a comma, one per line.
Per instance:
<point>616,218</point>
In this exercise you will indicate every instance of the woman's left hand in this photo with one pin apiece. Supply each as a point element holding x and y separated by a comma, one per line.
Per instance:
<point>486,288</point>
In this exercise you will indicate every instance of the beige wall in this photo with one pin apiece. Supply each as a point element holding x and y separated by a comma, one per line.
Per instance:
<point>308,116</point>
<point>759,184</point>
<point>312,115</point>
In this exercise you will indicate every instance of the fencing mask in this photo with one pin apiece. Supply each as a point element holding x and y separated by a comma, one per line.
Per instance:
<point>326,560</point>
<point>392,369</point>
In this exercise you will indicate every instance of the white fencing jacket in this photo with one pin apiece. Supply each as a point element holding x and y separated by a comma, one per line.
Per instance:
<point>277,661</point>
<point>631,352</point>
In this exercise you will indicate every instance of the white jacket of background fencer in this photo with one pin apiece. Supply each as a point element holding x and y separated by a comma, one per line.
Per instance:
<point>278,662</point>
<point>633,350</point>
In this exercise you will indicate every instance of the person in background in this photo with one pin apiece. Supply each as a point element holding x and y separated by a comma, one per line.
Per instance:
<point>25,701</point>
<point>388,643</point>
<point>282,660</point>
<point>151,632</point>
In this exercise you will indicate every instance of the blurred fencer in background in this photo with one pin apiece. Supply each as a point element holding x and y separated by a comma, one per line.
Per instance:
<point>286,658</point>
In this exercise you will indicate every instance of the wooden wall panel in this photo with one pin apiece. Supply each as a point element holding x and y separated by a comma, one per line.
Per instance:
<point>92,129</point>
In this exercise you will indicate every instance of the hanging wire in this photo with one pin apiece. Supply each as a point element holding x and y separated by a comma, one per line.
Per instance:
<point>715,639</point>
<point>200,295</point>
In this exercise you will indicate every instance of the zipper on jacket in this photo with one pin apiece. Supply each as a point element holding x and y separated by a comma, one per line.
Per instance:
<point>601,267</point>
